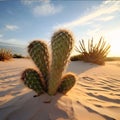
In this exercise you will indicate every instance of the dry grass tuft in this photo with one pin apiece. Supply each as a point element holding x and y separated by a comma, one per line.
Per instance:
<point>94,53</point>
<point>5,54</point>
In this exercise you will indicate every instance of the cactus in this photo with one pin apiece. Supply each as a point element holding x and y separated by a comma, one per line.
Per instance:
<point>49,78</point>
<point>33,80</point>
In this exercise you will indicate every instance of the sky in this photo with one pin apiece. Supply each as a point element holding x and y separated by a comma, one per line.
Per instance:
<point>22,21</point>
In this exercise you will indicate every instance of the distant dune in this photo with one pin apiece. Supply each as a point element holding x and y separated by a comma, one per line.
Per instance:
<point>113,59</point>
<point>95,96</point>
<point>16,49</point>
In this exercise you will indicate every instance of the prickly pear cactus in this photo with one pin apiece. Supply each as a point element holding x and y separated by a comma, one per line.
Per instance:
<point>62,44</point>
<point>50,78</point>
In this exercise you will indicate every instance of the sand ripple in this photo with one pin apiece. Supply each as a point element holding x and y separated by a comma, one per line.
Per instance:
<point>96,95</point>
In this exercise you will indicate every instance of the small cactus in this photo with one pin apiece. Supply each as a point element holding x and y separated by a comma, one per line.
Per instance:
<point>50,79</point>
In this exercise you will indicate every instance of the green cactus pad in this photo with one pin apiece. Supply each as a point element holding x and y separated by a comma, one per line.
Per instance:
<point>62,44</point>
<point>39,53</point>
<point>67,83</point>
<point>33,80</point>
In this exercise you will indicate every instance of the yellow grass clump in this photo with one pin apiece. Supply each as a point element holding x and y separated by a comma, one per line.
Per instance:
<point>94,53</point>
<point>5,54</point>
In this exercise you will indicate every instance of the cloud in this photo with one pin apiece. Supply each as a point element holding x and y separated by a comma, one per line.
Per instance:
<point>42,7</point>
<point>1,35</point>
<point>46,9</point>
<point>108,18</point>
<point>14,41</point>
<point>29,2</point>
<point>14,45</point>
<point>105,9</point>
<point>11,27</point>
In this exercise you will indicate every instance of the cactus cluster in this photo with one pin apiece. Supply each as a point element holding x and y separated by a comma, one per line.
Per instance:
<point>49,78</point>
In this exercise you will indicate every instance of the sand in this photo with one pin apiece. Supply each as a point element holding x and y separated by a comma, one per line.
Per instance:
<point>95,96</point>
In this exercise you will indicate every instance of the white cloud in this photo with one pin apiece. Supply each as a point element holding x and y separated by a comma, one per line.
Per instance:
<point>13,41</point>
<point>46,9</point>
<point>42,7</point>
<point>28,2</point>
<point>105,9</point>
<point>108,18</point>
<point>11,27</point>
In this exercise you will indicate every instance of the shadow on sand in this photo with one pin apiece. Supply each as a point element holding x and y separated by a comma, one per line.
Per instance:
<point>26,107</point>
<point>79,67</point>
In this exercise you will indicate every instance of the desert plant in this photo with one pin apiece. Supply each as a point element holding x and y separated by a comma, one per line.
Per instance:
<point>17,56</point>
<point>95,53</point>
<point>76,57</point>
<point>5,54</point>
<point>49,78</point>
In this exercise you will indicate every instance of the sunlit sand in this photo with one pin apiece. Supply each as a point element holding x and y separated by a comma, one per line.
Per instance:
<point>95,96</point>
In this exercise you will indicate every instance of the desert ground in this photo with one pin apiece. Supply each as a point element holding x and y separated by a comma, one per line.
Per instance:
<point>95,96</point>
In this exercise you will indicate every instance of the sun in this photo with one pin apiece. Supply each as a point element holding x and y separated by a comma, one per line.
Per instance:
<point>113,37</point>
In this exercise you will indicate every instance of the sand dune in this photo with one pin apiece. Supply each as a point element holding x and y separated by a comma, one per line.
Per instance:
<point>95,96</point>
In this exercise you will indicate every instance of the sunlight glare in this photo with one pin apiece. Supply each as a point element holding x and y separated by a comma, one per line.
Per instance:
<point>113,37</point>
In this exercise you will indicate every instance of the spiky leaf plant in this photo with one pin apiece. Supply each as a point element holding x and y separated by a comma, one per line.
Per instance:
<point>5,54</point>
<point>49,78</point>
<point>95,53</point>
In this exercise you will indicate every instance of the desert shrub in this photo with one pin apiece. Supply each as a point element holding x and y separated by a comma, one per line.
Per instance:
<point>94,53</point>
<point>17,56</point>
<point>113,59</point>
<point>5,54</point>
<point>76,57</point>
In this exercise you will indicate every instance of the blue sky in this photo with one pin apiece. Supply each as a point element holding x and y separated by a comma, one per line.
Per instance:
<point>22,21</point>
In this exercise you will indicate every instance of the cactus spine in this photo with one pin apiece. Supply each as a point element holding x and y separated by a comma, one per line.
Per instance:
<point>62,44</point>
<point>49,78</point>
